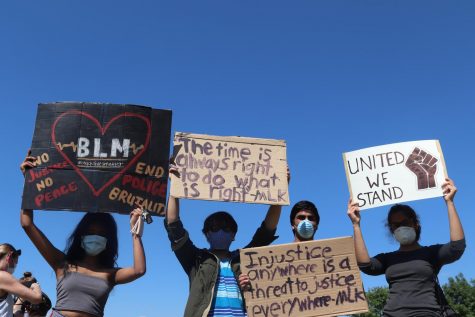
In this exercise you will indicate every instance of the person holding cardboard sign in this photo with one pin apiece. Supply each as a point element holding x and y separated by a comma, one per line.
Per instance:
<point>304,221</point>
<point>86,273</point>
<point>412,270</point>
<point>213,272</point>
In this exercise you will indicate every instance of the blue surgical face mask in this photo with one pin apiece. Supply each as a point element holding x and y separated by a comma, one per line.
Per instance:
<point>305,229</point>
<point>220,240</point>
<point>93,244</point>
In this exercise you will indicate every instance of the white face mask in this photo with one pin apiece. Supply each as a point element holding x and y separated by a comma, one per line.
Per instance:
<point>405,235</point>
<point>93,244</point>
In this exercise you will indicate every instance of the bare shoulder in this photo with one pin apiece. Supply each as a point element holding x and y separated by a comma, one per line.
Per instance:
<point>5,277</point>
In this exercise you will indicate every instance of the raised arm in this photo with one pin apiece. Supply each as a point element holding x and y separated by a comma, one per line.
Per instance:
<point>11,285</point>
<point>273,213</point>
<point>362,256</point>
<point>173,209</point>
<point>53,256</point>
<point>456,230</point>
<point>272,217</point>
<point>173,204</point>
<point>129,274</point>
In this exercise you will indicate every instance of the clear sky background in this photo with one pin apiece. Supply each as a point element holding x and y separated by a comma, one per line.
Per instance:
<point>326,76</point>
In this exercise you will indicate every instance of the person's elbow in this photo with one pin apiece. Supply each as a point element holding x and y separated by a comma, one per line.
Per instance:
<point>457,248</point>
<point>139,272</point>
<point>26,224</point>
<point>36,299</point>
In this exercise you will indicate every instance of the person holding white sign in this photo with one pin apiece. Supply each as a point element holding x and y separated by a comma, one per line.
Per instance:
<point>412,270</point>
<point>213,272</point>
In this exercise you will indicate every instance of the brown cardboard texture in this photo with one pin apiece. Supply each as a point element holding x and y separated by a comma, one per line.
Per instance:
<point>234,169</point>
<point>313,278</point>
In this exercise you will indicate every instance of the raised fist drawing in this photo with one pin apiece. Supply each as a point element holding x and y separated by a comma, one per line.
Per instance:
<point>424,165</point>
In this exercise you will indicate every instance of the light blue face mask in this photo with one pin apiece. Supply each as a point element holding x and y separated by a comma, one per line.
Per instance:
<point>93,244</point>
<point>305,229</point>
<point>219,240</point>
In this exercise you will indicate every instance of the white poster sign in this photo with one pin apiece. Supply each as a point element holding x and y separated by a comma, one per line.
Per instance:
<point>395,173</point>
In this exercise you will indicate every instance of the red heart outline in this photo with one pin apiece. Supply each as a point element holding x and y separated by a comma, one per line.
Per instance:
<point>103,130</point>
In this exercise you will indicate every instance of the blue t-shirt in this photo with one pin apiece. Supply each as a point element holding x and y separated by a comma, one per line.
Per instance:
<point>227,299</point>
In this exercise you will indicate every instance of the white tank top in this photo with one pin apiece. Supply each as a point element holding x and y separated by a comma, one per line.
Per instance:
<point>6,306</point>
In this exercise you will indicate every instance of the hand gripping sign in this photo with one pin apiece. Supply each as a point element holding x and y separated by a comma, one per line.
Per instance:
<point>99,157</point>
<point>395,173</point>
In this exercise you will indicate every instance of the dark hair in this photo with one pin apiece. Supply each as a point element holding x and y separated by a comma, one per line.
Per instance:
<point>27,279</point>
<point>220,216</point>
<point>304,205</point>
<point>107,258</point>
<point>34,309</point>
<point>407,212</point>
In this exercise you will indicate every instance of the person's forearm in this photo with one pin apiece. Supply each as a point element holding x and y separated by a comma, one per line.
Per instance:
<point>361,252</point>
<point>173,209</point>
<point>456,229</point>
<point>34,294</point>
<point>139,255</point>
<point>272,217</point>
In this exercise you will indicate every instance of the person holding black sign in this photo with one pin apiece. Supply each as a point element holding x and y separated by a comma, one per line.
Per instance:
<point>9,285</point>
<point>213,273</point>
<point>86,272</point>
<point>412,270</point>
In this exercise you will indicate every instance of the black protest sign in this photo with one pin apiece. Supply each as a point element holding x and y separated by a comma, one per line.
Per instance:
<point>313,278</point>
<point>99,158</point>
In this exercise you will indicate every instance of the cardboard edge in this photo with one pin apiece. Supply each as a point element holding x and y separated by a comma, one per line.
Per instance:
<point>236,139</point>
<point>347,176</point>
<point>439,149</point>
<point>304,242</point>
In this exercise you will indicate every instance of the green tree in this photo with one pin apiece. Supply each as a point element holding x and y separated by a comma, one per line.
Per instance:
<point>377,297</point>
<point>460,294</point>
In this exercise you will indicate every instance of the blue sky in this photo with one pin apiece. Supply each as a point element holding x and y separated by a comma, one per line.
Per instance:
<point>326,76</point>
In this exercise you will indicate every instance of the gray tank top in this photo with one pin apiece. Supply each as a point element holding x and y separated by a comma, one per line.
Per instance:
<point>81,292</point>
<point>6,306</point>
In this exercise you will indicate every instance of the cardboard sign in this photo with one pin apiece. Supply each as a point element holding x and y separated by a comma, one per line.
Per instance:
<point>395,173</point>
<point>313,278</point>
<point>232,169</point>
<point>99,157</point>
